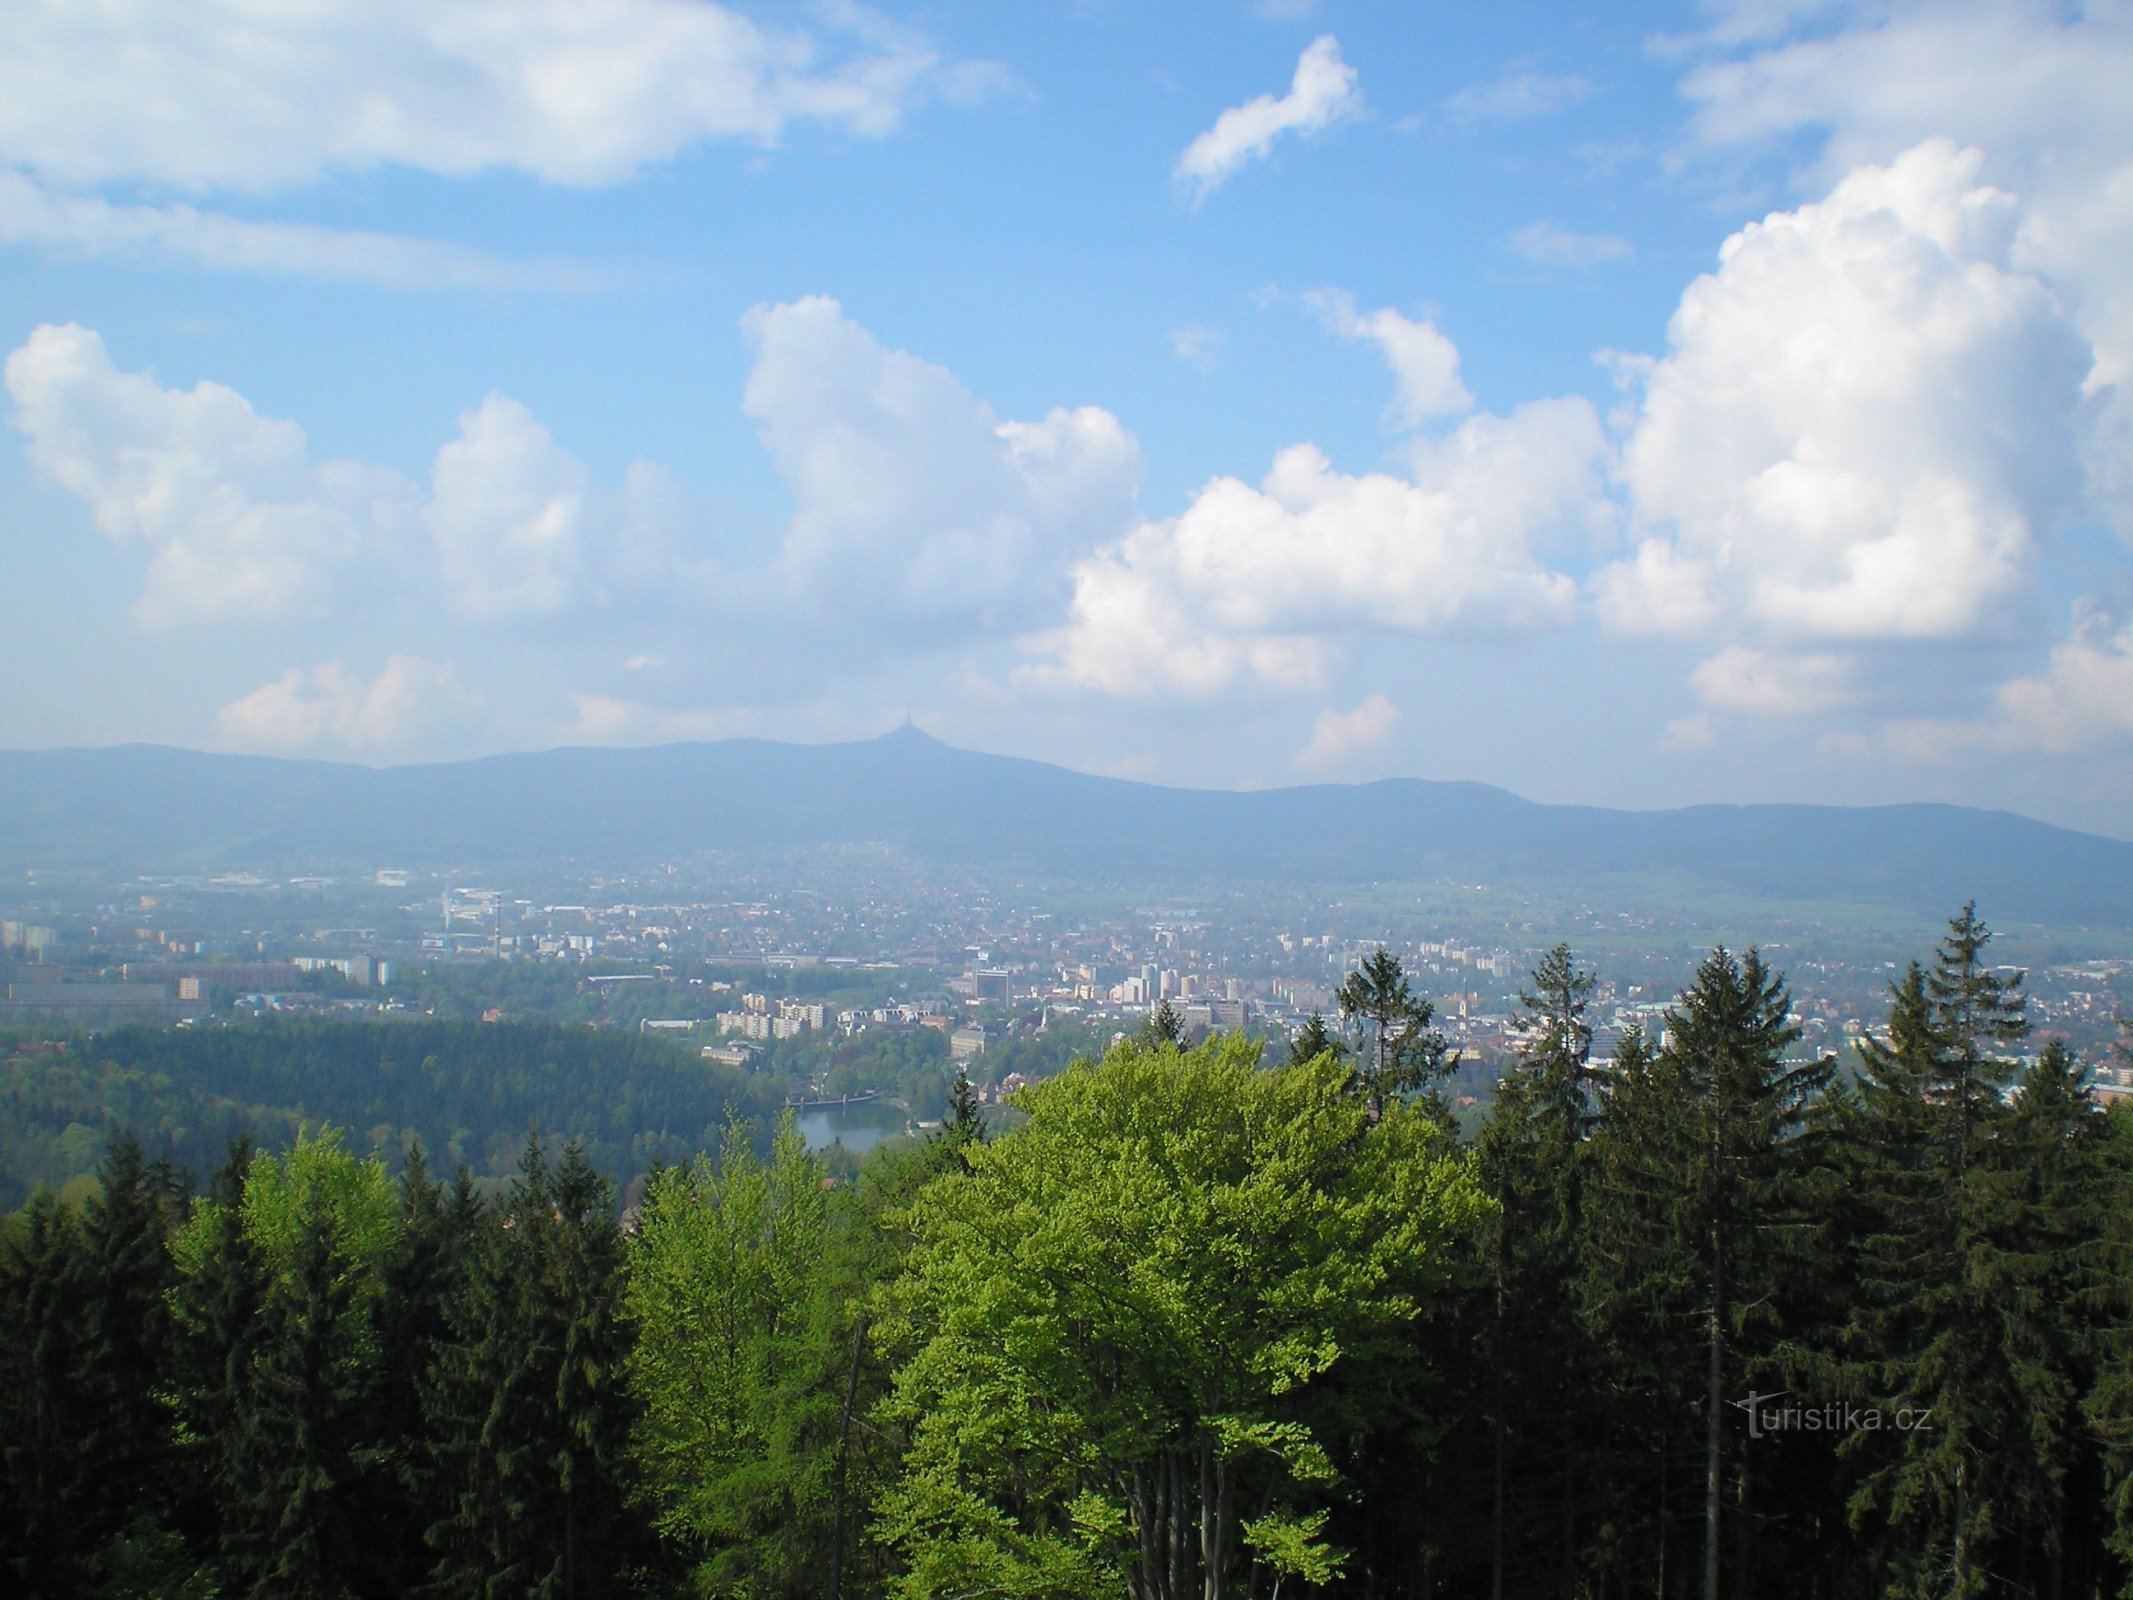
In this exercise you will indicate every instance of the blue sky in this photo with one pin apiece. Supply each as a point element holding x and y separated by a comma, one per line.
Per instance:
<point>1635,404</point>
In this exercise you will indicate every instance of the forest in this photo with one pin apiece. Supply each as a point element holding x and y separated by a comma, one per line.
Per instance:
<point>1712,1318</point>
<point>467,1092</point>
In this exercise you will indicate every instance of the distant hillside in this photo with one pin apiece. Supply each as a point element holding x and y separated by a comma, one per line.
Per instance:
<point>469,1093</point>
<point>140,807</point>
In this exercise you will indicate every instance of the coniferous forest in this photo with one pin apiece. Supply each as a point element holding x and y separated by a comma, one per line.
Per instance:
<point>1713,1318</point>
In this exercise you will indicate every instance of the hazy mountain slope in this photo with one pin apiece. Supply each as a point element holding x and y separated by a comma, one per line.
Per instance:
<point>138,806</point>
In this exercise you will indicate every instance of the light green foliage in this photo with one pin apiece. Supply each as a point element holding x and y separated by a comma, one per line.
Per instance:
<point>278,1407</point>
<point>718,1286</point>
<point>1117,1322</point>
<point>317,1185</point>
<point>319,1180</point>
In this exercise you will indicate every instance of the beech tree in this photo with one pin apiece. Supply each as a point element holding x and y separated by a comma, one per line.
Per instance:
<point>1116,1328</point>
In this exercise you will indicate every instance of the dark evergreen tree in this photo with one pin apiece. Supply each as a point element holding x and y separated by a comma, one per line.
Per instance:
<point>2058,1308</point>
<point>1534,1164</point>
<point>305,1518</point>
<point>421,1277</point>
<point>965,1123</point>
<point>1639,1302</point>
<point>1710,1240</point>
<point>481,1441</point>
<point>86,1446</point>
<point>1164,1026</point>
<point>527,1416</point>
<point>1400,1052</point>
<point>2109,1404</point>
<point>47,1484</point>
<point>1315,1039</point>
<point>1948,1326</point>
<point>123,1343</point>
<point>216,1330</point>
<point>593,1410</point>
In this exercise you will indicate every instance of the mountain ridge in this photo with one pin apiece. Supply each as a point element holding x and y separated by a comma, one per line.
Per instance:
<point>148,807</point>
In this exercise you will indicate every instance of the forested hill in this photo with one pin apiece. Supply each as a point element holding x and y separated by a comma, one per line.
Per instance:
<point>145,807</point>
<point>471,1093</point>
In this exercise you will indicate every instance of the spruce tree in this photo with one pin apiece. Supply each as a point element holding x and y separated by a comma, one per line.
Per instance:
<point>527,1416</point>
<point>1533,1163</point>
<point>1705,1240</point>
<point>215,1306</point>
<point>1400,1053</point>
<point>47,1482</point>
<point>299,1525</point>
<point>124,1339</point>
<point>84,1438</point>
<point>965,1123</point>
<point>480,1396</point>
<point>2056,1299</point>
<point>1164,1026</point>
<point>2109,1404</point>
<point>420,1277</point>
<point>1315,1039</point>
<point>1639,1306</point>
<point>1942,1320</point>
<point>593,1409</point>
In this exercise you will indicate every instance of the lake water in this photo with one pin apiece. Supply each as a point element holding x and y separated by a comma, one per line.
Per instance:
<point>859,1128</point>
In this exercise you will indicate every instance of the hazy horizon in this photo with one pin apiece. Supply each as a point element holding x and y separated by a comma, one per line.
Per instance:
<point>1281,781</point>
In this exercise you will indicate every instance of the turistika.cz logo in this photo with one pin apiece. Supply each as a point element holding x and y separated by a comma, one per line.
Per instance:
<point>1766,1417</point>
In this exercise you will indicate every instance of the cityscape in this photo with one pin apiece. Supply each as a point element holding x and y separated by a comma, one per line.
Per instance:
<point>730,958</point>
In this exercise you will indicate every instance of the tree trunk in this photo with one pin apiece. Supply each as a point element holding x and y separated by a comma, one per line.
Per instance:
<point>1959,1587</point>
<point>844,1454</point>
<point>1664,1521</point>
<point>1570,1522</point>
<point>570,1544</point>
<point>1713,1426</point>
<point>1741,1565</point>
<point>1497,1487</point>
<point>1210,1525</point>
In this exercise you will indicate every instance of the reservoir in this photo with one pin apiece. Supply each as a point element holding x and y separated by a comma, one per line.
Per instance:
<point>858,1128</point>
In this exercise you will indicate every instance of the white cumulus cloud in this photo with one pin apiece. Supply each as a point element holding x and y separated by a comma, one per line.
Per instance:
<point>914,501</point>
<point>2081,701</point>
<point>1424,363</point>
<point>235,94</point>
<point>2039,87</point>
<point>1339,736</point>
<point>239,522</point>
<point>409,707</point>
<point>1323,91</point>
<point>508,514</point>
<point>1260,583</point>
<point>1863,419</point>
<point>1772,682</point>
